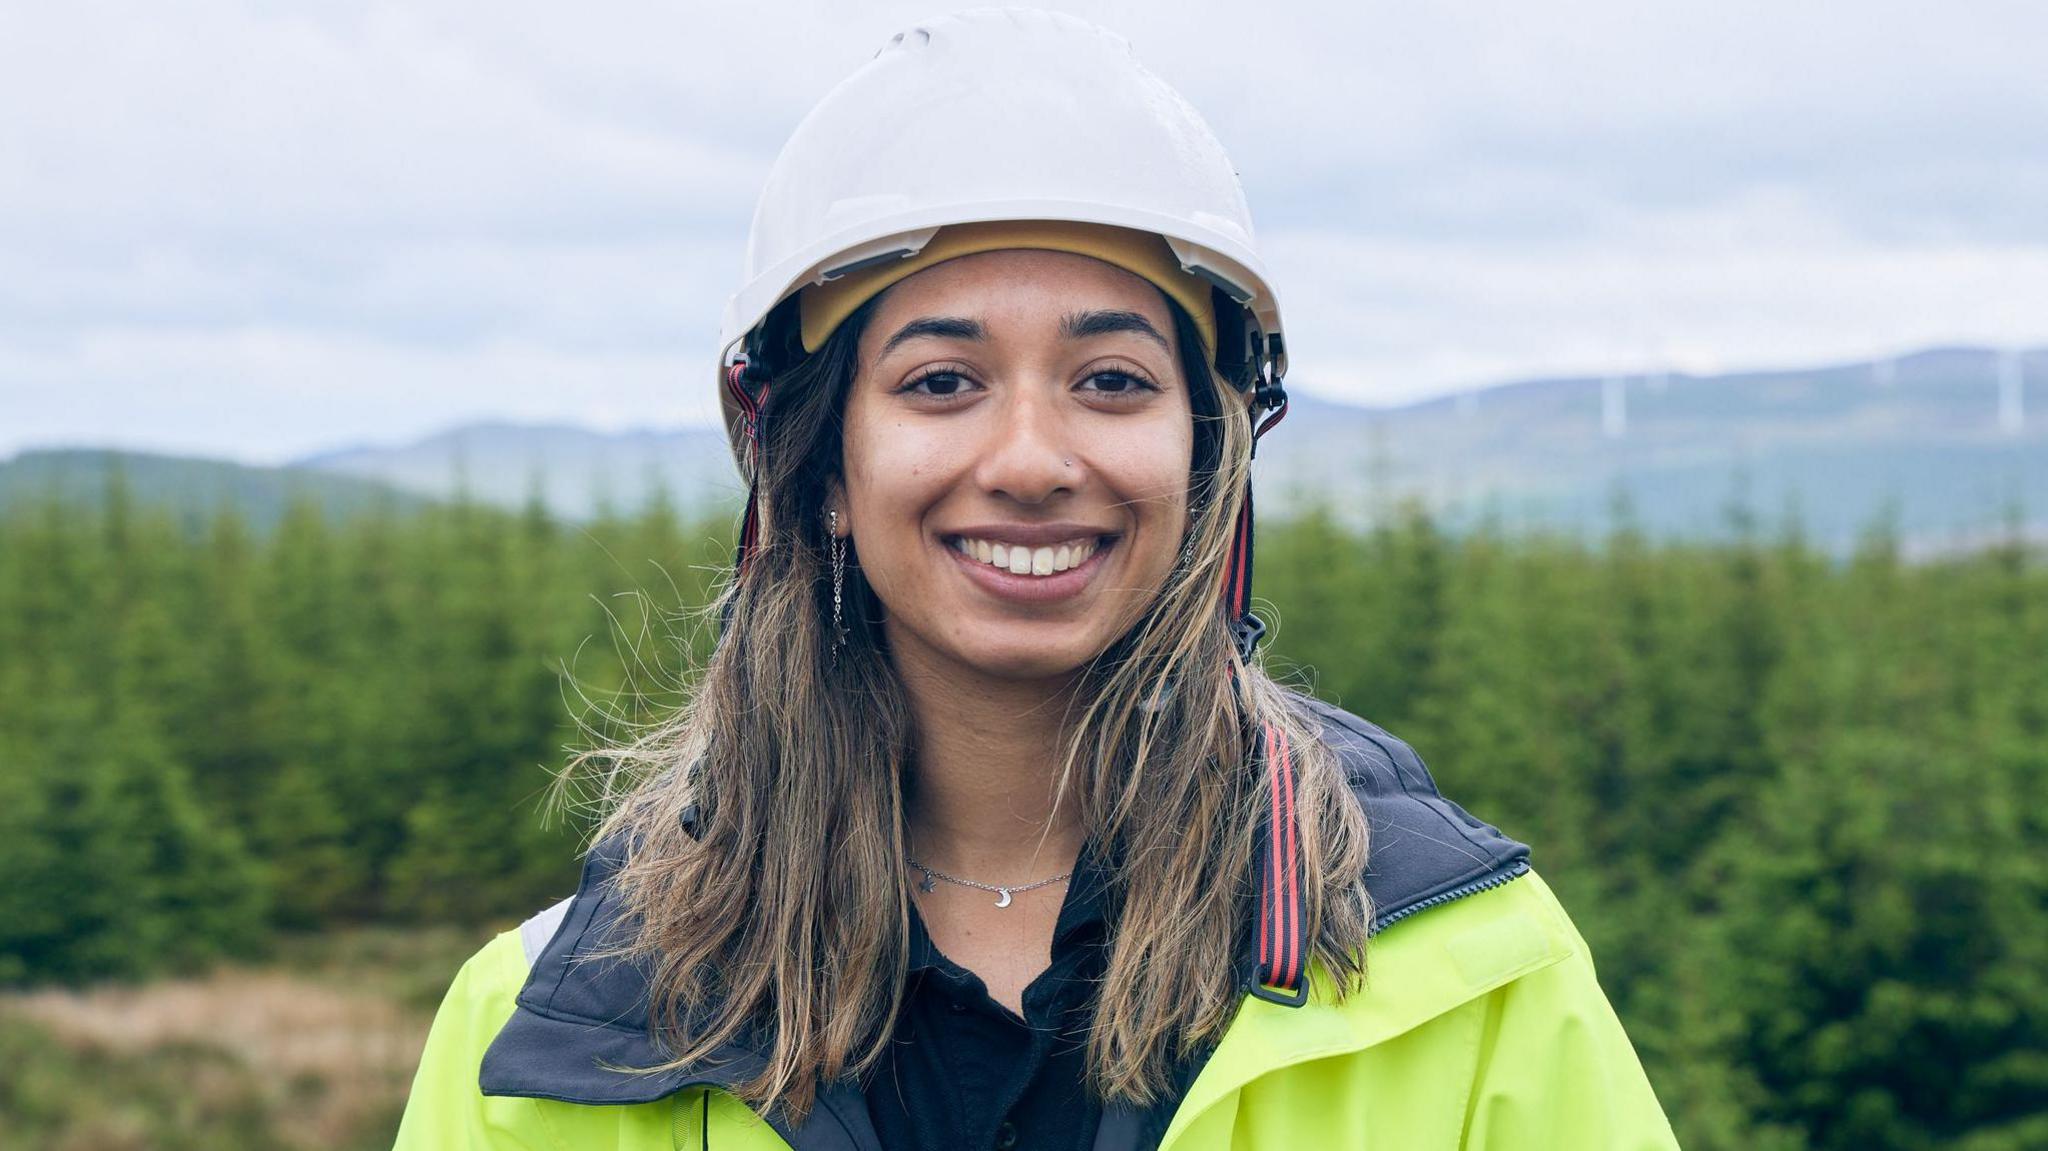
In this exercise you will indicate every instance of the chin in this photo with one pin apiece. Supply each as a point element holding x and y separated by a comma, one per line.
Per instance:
<point>1026,658</point>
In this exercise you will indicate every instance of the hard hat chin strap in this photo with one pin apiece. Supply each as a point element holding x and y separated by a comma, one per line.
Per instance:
<point>1268,407</point>
<point>1279,972</point>
<point>751,404</point>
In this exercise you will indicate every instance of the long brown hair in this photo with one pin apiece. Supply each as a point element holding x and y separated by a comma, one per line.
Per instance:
<point>767,879</point>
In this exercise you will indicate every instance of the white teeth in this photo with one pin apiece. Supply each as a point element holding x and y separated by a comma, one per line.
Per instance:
<point>1019,560</point>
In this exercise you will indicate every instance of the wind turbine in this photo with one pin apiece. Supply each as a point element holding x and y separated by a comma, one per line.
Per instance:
<point>1614,407</point>
<point>2012,416</point>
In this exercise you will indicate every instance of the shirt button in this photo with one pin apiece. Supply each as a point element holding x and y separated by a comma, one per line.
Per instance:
<point>1006,1136</point>
<point>957,1007</point>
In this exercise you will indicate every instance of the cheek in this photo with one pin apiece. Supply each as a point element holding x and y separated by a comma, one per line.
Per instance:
<point>893,469</point>
<point>1154,468</point>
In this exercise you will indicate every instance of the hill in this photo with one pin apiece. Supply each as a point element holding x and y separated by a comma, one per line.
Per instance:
<point>575,471</point>
<point>1937,444</point>
<point>192,488</point>
<point>1923,439</point>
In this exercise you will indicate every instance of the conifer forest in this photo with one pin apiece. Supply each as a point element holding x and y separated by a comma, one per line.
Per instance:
<point>1796,802</point>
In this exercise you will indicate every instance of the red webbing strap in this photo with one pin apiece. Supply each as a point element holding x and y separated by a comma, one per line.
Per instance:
<point>750,427</point>
<point>1282,936</point>
<point>1237,581</point>
<point>1282,931</point>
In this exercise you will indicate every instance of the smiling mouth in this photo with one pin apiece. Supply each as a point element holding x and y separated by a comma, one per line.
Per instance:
<point>1018,559</point>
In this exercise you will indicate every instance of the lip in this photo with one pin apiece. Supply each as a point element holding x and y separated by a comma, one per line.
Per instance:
<point>1028,588</point>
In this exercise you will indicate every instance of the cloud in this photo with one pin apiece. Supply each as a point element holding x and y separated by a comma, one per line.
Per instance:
<point>1404,321</point>
<point>255,230</point>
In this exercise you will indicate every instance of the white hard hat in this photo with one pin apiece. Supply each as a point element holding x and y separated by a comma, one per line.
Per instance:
<point>998,114</point>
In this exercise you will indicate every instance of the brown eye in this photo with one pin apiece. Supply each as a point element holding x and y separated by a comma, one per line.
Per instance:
<point>1118,384</point>
<point>939,383</point>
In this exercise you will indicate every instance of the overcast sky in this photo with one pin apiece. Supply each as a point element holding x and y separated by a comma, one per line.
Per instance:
<point>257,230</point>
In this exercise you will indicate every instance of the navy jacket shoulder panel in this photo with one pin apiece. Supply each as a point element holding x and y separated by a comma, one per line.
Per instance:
<point>580,1030</point>
<point>1424,848</point>
<point>583,1012</point>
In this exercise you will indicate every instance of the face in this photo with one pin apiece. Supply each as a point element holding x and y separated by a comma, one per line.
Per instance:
<point>1016,461</point>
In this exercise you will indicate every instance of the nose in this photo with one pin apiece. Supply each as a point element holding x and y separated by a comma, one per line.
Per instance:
<point>1025,454</point>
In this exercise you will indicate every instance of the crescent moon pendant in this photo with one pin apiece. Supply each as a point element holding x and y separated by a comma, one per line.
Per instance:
<point>1005,900</point>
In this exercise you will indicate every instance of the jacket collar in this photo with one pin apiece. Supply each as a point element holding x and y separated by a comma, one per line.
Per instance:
<point>581,1022</point>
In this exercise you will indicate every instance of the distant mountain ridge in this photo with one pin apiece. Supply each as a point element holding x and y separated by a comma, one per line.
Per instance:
<point>576,471</point>
<point>1940,442</point>
<point>190,488</point>
<point>1938,439</point>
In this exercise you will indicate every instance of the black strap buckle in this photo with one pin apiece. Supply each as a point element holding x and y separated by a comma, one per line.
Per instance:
<point>1246,631</point>
<point>1270,399</point>
<point>1284,998</point>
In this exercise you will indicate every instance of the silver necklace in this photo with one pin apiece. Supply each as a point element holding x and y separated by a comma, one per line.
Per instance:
<point>1003,893</point>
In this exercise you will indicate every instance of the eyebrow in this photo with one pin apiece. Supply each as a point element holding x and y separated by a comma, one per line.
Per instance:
<point>1073,326</point>
<point>937,327</point>
<point>1081,325</point>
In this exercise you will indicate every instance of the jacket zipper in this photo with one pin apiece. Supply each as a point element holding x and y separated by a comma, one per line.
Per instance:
<point>1516,870</point>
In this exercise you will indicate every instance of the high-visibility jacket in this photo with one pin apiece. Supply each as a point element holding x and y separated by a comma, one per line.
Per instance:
<point>1480,1025</point>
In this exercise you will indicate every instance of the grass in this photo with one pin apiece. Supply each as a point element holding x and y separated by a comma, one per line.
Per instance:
<point>314,1051</point>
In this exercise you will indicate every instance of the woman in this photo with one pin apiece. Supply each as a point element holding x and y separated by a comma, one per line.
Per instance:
<point>983,827</point>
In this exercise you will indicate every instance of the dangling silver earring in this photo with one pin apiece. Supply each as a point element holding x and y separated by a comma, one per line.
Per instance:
<point>838,583</point>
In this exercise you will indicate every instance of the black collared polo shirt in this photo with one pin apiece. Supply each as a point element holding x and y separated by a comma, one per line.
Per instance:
<point>965,1072</point>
